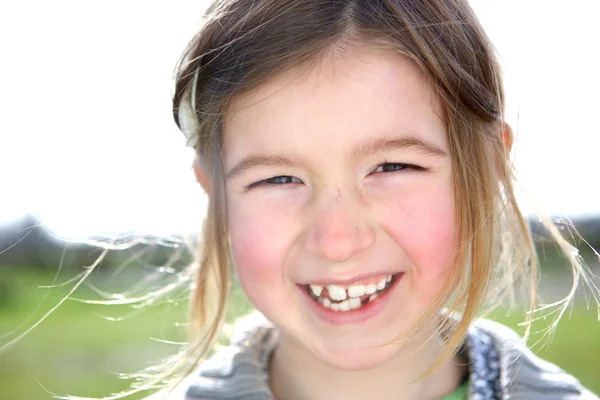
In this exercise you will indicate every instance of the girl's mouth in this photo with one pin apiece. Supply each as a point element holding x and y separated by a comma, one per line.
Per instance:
<point>351,297</point>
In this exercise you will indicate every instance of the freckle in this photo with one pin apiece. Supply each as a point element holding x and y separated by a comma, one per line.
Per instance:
<point>362,198</point>
<point>339,196</point>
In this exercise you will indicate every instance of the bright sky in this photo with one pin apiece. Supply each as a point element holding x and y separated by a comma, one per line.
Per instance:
<point>87,140</point>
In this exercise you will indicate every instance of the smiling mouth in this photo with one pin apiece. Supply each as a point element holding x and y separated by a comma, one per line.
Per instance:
<point>347,298</point>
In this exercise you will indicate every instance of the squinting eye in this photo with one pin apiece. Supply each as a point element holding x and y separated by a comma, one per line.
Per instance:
<point>280,180</point>
<point>276,181</point>
<point>391,167</point>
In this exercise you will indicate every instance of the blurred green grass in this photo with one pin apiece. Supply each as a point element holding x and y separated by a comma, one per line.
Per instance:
<point>77,351</point>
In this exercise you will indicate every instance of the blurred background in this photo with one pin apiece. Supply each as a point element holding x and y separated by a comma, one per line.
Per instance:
<point>89,151</point>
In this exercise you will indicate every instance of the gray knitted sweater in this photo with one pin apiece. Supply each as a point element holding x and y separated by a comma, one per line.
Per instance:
<point>500,367</point>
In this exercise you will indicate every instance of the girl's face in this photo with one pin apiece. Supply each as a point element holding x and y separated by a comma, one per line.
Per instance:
<point>339,177</point>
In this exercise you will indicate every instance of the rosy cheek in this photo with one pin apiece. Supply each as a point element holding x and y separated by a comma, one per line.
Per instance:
<point>258,248</point>
<point>423,225</point>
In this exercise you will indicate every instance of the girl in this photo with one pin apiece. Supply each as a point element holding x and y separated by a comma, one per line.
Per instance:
<point>357,165</point>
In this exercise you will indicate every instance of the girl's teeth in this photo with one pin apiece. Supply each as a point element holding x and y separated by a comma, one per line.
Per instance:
<point>354,303</point>
<point>316,289</point>
<point>371,288</point>
<point>357,290</point>
<point>345,306</point>
<point>336,293</point>
<point>342,299</point>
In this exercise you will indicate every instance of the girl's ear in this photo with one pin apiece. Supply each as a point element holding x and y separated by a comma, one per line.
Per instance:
<point>202,177</point>
<point>506,134</point>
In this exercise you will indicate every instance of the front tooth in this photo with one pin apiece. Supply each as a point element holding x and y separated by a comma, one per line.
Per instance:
<point>354,303</point>
<point>381,284</point>
<point>357,290</point>
<point>336,292</point>
<point>316,289</point>
<point>345,306</point>
<point>373,297</point>
<point>335,306</point>
<point>326,302</point>
<point>371,288</point>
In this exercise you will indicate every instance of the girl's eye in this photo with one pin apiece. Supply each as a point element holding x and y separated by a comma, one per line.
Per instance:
<point>391,167</point>
<point>280,180</point>
<point>276,181</point>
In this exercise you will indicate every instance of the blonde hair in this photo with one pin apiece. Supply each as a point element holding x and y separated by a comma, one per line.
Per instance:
<point>244,43</point>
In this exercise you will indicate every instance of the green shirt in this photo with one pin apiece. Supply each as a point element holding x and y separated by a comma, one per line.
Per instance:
<point>460,393</point>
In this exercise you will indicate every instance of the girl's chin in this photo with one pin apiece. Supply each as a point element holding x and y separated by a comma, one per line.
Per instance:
<point>351,358</point>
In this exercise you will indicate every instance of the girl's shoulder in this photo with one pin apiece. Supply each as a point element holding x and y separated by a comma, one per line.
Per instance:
<point>500,367</point>
<point>234,372</point>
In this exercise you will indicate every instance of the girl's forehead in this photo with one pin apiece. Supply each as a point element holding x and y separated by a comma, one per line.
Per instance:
<point>340,102</point>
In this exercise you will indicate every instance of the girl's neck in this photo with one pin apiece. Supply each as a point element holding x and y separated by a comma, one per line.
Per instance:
<point>296,374</point>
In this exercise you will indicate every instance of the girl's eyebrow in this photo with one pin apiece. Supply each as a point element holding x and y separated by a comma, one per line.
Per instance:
<point>362,150</point>
<point>263,161</point>
<point>396,143</point>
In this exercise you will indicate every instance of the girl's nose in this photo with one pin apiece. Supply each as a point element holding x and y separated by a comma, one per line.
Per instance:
<point>338,228</point>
